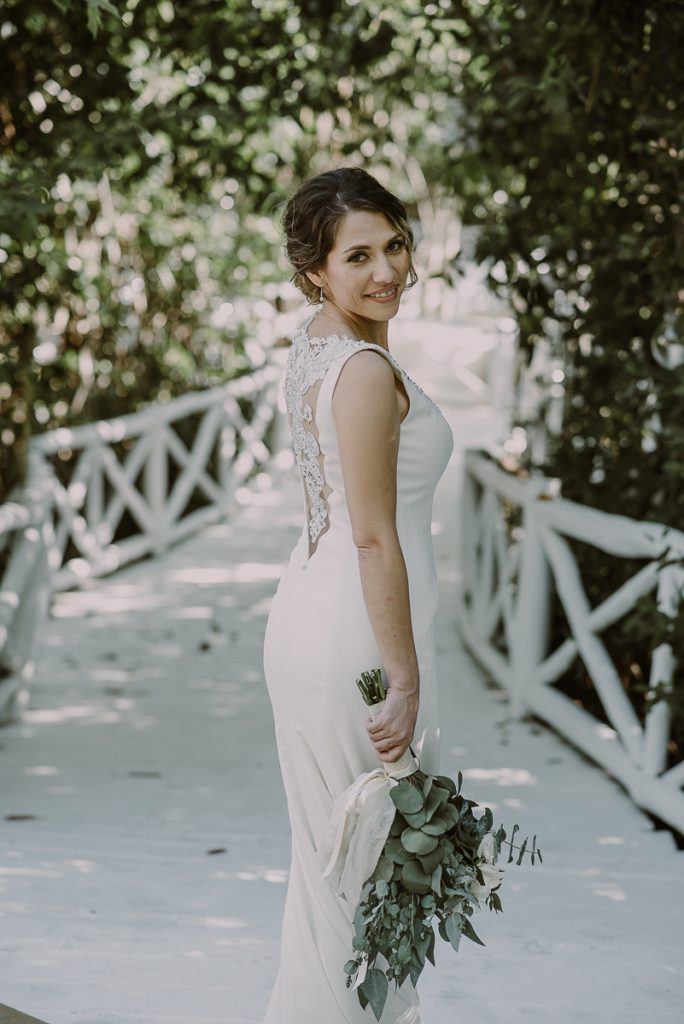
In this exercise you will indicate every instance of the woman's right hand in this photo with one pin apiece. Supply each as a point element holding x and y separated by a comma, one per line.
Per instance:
<point>392,731</point>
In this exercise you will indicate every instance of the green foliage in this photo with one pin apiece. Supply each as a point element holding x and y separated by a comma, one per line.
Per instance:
<point>423,880</point>
<point>145,147</point>
<point>576,114</point>
<point>425,877</point>
<point>574,118</point>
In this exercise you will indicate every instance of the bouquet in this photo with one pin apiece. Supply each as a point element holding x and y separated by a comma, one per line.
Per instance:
<point>406,850</point>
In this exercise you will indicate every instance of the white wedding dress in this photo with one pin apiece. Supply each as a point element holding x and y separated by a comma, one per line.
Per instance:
<point>318,640</point>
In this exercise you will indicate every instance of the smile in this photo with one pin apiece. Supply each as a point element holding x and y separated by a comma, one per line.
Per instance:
<point>388,293</point>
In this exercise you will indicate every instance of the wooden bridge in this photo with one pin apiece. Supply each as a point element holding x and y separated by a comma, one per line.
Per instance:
<point>145,843</point>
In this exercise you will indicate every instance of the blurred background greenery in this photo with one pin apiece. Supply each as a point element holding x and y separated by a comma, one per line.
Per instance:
<point>147,147</point>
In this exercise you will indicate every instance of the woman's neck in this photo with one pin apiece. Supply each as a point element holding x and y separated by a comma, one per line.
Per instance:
<point>333,320</point>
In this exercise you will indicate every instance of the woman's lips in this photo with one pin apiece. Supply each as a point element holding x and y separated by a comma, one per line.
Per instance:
<point>384,295</point>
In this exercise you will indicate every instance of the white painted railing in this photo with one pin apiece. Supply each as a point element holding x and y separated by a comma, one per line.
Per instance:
<point>24,589</point>
<point>114,499</point>
<point>515,548</point>
<point>108,479</point>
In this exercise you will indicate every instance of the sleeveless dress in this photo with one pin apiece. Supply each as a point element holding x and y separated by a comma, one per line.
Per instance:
<point>318,639</point>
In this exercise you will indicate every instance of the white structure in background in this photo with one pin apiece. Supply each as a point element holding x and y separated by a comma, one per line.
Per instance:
<point>25,587</point>
<point>504,608</point>
<point>60,533</point>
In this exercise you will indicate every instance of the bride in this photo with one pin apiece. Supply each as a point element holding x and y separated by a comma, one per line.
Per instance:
<point>360,588</point>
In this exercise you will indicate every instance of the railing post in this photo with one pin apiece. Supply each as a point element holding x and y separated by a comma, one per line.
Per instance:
<point>532,605</point>
<point>227,447</point>
<point>658,718</point>
<point>466,555</point>
<point>156,487</point>
<point>24,589</point>
<point>501,372</point>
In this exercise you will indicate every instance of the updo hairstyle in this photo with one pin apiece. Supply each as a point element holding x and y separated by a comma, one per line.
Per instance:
<point>316,207</point>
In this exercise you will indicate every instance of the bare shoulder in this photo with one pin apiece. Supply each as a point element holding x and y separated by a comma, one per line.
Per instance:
<point>368,363</point>
<point>365,374</point>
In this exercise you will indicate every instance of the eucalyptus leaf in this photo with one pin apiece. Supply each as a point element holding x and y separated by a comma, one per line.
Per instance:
<point>416,964</point>
<point>406,798</point>
<point>414,878</point>
<point>454,926</point>
<point>417,819</point>
<point>383,870</point>
<point>446,783</point>
<point>430,954</point>
<point>403,953</point>
<point>470,932</point>
<point>398,825</point>
<point>437,797</point>
<point>430,861</point>
<point>416,841</point>
<point>450,814</point>
<point>394,849</point>
<point>421,945</point>
<point>375,987</point>
<point>487,820</point>
<point>436,880</point>
<point>439,825</point>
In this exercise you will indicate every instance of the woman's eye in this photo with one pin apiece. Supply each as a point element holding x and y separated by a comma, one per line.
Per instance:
<point>394,246</point>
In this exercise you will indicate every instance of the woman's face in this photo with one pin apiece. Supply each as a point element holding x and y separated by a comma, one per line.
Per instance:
<point>365,272</point>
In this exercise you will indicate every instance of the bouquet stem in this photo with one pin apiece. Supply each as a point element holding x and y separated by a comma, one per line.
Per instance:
<point>407,763</point>
<point>374,694</point>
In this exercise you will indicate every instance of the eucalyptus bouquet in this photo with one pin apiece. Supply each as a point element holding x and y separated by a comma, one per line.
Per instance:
<point>429,860</point>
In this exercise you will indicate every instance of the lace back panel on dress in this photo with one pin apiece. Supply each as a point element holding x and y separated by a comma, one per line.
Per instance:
<point>307,363</point>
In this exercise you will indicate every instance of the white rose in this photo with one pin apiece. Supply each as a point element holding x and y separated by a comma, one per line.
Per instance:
<point>487,848</point>
<point>491,877</point>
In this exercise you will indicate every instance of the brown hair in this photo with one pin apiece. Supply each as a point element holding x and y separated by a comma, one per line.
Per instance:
<point>315,209</point>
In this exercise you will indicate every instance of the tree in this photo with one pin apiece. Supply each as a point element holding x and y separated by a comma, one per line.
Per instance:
<point>141,149</point>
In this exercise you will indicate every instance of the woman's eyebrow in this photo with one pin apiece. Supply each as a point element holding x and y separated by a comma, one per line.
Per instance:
<point>364,246</point>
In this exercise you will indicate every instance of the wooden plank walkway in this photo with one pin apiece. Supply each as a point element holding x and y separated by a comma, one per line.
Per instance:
<point>144,839</point>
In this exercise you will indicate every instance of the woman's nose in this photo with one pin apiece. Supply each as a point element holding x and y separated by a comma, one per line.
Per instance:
<point>382,270</point>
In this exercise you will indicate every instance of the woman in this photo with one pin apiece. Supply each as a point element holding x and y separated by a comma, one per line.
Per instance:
<point>360,588</point>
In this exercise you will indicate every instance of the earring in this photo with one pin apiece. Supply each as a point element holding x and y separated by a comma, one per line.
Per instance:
<point>320,298</point>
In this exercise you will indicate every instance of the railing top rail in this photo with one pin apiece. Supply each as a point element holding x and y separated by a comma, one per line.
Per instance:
<point>517,489</point>
<point>616,534</point>
<point>136,423</point>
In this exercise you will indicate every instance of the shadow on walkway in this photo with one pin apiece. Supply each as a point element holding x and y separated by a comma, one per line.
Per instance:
<point>145,840</point>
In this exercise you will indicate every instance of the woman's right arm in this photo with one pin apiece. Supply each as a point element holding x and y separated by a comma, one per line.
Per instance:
<point>367,422</point>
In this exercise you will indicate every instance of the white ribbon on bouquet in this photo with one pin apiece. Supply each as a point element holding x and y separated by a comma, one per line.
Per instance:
<point>360,824</point>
